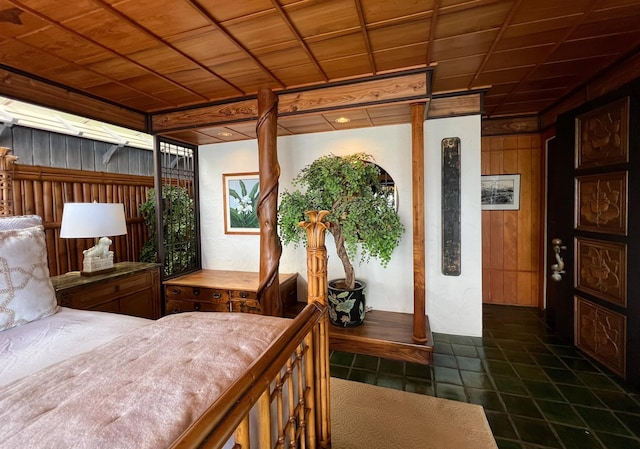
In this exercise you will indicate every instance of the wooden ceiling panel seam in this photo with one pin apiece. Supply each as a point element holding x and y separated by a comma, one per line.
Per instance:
<point>514,8</point>
<point>202,10</point>
<point>287,20</point>
<point>568,33</point>
<point>365,35</point>
<point>432,31</point>
<point>52,22</point>
<point>166,43</point>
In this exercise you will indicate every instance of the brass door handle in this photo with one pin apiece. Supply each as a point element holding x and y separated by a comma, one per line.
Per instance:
<point>557,268</point>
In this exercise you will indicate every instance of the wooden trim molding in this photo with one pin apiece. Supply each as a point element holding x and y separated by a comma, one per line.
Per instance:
<point>400,88</point>
<point>26,88</point>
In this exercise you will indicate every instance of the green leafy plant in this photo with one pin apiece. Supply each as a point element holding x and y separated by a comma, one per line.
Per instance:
<point>362,219</point>
<point>178,229</point>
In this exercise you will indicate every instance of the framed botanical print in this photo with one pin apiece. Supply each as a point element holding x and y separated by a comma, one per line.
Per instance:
<point>241,192</point>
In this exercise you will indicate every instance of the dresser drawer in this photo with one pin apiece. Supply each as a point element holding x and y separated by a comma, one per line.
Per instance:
<point>242,294</point>
<point>246,305</point>
<point>179,305</point>
<point>100,293</point>
<point>210,295</point>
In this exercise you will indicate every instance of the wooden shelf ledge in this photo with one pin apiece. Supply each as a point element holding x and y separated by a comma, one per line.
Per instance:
<point>384,334</point>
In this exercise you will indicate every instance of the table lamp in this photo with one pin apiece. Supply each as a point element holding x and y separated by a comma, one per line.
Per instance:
<point>98,221</point>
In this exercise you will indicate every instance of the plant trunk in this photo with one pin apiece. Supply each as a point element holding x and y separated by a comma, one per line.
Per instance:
<point>349,275</point>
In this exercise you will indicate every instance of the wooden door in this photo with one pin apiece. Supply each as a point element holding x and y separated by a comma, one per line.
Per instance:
<point>591,183</point>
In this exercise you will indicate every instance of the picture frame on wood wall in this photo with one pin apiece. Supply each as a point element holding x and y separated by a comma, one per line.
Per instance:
<point>500,192</point>
<point>241,193</point>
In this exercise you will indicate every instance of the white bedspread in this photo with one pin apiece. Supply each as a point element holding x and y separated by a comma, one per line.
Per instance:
<point>139,391</point>
<point>33,346</point>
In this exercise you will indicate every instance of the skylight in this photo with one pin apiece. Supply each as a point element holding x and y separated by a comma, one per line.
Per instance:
<point>13,112</point>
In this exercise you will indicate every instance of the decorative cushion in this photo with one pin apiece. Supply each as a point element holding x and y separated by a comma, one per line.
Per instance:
<point>26,292</point>
<point>19,222</point>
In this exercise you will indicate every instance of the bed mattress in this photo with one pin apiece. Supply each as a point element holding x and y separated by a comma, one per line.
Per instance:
<point>33,346</point>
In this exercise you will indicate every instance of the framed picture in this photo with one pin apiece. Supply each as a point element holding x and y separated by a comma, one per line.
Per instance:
<point>500,192</point>
<point>241,192</point>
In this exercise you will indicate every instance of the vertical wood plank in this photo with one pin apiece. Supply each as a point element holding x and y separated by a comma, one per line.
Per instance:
<point>512,244</point>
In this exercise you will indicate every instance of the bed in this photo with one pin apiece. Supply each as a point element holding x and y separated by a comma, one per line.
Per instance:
<point>81,379</point>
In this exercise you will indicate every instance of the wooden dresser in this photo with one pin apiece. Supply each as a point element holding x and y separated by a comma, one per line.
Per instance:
<point>222,291</point>
<point>132,288</point>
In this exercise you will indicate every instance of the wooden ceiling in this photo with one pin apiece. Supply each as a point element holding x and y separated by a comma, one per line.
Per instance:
<point>133,61</point>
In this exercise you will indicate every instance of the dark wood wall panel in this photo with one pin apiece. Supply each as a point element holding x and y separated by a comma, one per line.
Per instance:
<point>512,240</point>
<point>44,190</point>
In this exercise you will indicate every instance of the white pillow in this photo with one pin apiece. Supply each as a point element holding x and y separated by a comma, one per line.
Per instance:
<point>26,292</point>
<point>19,222</point>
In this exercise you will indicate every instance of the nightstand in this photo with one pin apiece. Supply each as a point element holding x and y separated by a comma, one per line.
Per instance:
<point>132,288</point>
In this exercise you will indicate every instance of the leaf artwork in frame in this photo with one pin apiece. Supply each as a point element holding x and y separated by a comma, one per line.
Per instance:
<point>241,193</point>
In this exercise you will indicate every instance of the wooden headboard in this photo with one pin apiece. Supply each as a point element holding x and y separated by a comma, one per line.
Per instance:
<point>27,189</point>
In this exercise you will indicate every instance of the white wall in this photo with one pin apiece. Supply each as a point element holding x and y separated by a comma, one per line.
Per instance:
<point>454,303</point>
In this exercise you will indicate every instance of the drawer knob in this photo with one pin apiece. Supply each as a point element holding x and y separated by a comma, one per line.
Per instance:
<point>244,294</point>
<point>196,291</point>
<point>196,306</point>
<point>217,295</point>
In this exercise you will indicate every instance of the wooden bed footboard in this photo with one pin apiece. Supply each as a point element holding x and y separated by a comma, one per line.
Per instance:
<point>283,400</point>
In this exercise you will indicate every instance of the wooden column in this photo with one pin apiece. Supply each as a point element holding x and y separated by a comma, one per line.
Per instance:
<point>6,181</point>
<point>317,293</point>
<point>270,246</point>
<point>417,167</point>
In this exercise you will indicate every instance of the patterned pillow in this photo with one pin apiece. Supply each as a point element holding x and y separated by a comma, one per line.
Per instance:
<point>19,222</point>
<point>26,293</point>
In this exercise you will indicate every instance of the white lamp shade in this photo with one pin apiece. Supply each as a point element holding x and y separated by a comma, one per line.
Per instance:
<point>90,220</point>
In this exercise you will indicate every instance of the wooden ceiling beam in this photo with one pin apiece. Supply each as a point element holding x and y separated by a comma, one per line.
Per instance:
<point>198,7</point>
<point>387,89</point>
<point>26,88</point>
<point>66,29</point>
<point>155,37</point>
<point>365,36</point>
<point>552,49</point>
<point>285,18</point>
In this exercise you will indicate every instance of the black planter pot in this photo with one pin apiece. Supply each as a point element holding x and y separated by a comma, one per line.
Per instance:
<point>346,307</point>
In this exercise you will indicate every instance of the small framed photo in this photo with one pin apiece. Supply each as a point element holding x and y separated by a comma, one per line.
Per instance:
<point>500,192</point>
<point>241,192</point>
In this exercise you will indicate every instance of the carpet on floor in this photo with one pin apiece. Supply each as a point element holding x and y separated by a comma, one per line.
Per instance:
<point>366,416</point>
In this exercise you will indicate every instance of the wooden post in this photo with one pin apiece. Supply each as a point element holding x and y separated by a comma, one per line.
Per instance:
<point>270,247</point>
<point>6,181</point>
<point>317,292</point>
<point>419,284</point>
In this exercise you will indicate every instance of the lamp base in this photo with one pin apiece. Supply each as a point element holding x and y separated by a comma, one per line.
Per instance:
<point>97,272</point>
<point>93,265</point>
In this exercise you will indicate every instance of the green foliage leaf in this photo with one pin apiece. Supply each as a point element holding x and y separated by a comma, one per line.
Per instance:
<point>349,188</point>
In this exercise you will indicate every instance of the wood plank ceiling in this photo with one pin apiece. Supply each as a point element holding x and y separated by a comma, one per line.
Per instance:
<point>132,61</point>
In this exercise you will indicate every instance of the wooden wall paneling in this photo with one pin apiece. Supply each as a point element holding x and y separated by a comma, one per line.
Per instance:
<point>512,268</point>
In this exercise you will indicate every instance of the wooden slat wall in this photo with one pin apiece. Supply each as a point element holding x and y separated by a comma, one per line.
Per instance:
<point>512,240</point>
<point>43,191</point>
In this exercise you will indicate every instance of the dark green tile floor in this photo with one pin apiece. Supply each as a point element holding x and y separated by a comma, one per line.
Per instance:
<point>537,392</point>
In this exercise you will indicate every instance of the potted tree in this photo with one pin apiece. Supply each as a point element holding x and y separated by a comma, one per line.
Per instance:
<point>363,220</point>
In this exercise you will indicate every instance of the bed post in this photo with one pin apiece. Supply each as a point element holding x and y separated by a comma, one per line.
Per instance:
<point>317,293</point>
<point>6,181</point>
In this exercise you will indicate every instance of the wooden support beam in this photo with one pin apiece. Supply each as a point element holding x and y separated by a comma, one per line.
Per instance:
<point>270,247</point>
<point>419,264</point>
<point>21,87</point>
<point>399,88</point>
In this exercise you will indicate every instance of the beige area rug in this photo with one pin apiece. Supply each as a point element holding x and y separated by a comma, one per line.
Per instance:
<point>370,417</point>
